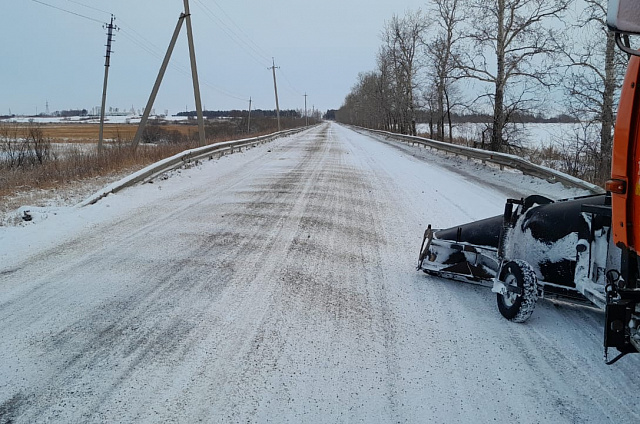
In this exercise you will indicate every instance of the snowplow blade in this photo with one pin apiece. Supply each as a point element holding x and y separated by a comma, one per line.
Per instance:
<point>467,252</point>
<point>473,251</point>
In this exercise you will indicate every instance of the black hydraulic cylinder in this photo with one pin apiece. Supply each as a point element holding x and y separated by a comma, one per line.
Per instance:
<point>548,223</point>
<point>480,233</point>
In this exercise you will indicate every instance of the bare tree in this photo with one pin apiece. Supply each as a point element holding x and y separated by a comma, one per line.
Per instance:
<point>429,98</point>
<point>513,48</point>
<point>441,54</point>
<point>593,77</point>
<point>401,38</point>
<point>366,105</point>
<point>22,147</point>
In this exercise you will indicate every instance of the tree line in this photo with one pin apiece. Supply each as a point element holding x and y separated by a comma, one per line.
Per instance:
<point>505,58</point>
<point>258,113</point>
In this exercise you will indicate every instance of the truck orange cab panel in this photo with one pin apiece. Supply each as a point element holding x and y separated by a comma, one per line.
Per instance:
<point>626,161</point>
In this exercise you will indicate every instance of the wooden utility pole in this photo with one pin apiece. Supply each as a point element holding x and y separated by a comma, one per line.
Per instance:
<point>249,120</point>
<point>306,116</point>
<point>110,27</point>
<point>275,88</point>
<point>156,86</point>
<point>194,74</point>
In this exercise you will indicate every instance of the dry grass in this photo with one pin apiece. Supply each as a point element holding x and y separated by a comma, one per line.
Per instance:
<point>578,163</point>
<point>79,164</point>
<point>88,133</point>
<point>70,174</point>
<point>80,160</point>
<point>69,177</point>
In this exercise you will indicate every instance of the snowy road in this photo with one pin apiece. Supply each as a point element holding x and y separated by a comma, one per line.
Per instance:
<point>279,285</point>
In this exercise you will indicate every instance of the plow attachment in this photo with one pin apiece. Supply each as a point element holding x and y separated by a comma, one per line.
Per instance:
<point>537,248</point>
<point>468,252</point>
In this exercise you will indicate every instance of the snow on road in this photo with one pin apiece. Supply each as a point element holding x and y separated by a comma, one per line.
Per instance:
<point>279,285</point>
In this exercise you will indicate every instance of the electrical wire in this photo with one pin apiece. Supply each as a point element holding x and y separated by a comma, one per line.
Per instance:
<point>126,27</point>
<point>290,85</point>
<point>68,11</point>
<point>223,91</point>
<point>257,49</point>
<point>140,44</point>
<point>247,42</point>
<point>143,43</point>
<point>90,7</point>
<point>254,53</point>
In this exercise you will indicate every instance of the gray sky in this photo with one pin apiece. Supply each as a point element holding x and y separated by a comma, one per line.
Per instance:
<point>51,56</point>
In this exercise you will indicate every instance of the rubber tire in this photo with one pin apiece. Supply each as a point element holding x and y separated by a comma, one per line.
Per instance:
<point>518,308</point>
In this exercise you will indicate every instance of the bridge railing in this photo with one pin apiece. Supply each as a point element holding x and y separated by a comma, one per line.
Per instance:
<point>182,159</point>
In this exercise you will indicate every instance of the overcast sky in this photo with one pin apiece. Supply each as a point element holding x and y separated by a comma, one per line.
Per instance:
<point>51,56</point>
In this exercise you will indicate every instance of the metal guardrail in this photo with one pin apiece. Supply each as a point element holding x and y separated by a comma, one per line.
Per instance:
<point>502,159</point>
<point>181,159</point>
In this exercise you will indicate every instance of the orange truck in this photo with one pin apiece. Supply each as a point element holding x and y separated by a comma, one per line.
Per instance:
<point>582,249</point>
<point>623,286</point>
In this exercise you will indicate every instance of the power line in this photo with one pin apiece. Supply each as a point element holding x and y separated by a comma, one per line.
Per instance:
<point>90,7</point>
<point>258,49</point>
<point>68,11</point>
<point>180,69</point>
<point>233,36</point>
<point>140,41</point>
<point>143,43</point>
<point>252,51</point>
<point>291,85</point>
<point>140,36</point>
<point>248,42</point>
<point>152,50</point>
<point>148,46</point>
<point>223,91</point>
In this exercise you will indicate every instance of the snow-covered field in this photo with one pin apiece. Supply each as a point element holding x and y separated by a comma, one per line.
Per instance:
<point>119,119</point>
<point>279,285</point>
<point>531,134</point>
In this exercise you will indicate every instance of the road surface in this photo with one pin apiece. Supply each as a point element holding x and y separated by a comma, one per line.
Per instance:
<point>279,285</point>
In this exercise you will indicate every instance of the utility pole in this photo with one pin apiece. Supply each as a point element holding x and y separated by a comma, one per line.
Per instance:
<point>156,86</point>
<point>194,73</point>
<point>275,88</point>
<point>306,116</point>
<point>110,27</point>
<point>249,120</point>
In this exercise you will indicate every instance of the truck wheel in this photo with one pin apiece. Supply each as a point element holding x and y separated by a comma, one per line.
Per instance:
<point>513,306</point>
